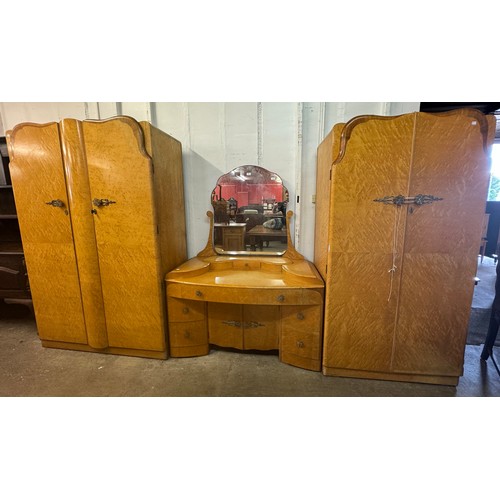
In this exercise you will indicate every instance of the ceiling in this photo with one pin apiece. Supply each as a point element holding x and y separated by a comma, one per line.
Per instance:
<point>484,107</point>
<point>436,107</point>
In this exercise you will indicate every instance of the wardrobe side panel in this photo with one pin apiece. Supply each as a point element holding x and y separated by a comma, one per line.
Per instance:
<point>322,213</point>
<point>442,244</point>
<point>366,242</point>
<point>169,196</point>
<point>37,173</point>
<point>121,171</point>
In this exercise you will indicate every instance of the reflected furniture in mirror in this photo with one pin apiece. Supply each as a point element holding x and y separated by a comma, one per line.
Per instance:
<point>250,206</point>
<point>247,300</point>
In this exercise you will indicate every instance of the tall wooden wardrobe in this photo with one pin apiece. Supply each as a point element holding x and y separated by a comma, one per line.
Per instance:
<point>101,213</point>
<point>400,203</point>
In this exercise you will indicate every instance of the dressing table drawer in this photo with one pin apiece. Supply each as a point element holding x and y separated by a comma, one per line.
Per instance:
<point>188,334</point>
<point>180,310</point>
<point>301,339</point>
<point>301,343</point>
<point>245,295</point>
<point>301,318</point>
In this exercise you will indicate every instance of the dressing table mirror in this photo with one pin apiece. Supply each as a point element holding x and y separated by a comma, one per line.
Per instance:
<point>250,205</point>
<point>244,290</point>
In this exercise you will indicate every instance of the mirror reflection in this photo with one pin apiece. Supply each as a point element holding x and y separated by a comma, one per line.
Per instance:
<point>250,205</point>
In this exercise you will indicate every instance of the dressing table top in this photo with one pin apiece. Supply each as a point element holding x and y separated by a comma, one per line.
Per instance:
<point>247,272</point>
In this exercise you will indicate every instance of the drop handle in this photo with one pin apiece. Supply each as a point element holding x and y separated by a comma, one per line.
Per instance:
<point>237,324</point>
<point>252,324</point>
<point>280,298</point>
<point>102,202</point>
<point>55,203</point>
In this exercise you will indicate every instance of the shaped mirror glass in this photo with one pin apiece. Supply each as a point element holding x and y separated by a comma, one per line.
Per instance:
<point>250,205</point>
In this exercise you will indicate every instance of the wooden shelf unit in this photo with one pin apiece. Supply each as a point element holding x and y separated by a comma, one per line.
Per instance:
<point>14,285</point>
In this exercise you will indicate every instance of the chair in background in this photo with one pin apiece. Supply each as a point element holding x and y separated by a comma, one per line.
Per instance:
<point>484,239</point>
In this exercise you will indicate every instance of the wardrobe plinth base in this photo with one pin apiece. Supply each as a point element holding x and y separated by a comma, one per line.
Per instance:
<point>140,353</point>
<point>392,377</point>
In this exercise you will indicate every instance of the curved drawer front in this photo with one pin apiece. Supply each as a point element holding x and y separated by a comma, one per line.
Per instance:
<point>239,295</point>
<point>301,318</point>
<point>185,310</point>
<point>188,334</point>
<point>301,343</point>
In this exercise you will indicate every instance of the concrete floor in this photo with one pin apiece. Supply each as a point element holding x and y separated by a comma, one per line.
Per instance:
<point>28,369</point>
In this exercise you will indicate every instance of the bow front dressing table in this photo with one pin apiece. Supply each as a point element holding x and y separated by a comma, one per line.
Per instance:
<point>249,300</point>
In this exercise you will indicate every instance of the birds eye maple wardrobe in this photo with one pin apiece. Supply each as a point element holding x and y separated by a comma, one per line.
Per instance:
<point>101,213</point>
<point>400,203</point>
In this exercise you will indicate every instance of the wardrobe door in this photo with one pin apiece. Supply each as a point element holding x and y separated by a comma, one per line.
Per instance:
<point>120,178</point>
<point>366,239</point>
<point>442,242</point>
<point>77,185</point>
<point>42,206</point>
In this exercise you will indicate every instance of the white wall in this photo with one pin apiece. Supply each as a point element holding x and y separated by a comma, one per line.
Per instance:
<point>217,137</point>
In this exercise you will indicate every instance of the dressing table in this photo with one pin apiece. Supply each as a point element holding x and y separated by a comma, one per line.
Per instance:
<point>268,300</point>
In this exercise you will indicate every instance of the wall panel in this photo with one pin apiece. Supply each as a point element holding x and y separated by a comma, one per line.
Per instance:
<point>241,134</point>
<point>40,112</point>
<point>217,137</point>
<point>141,111</point>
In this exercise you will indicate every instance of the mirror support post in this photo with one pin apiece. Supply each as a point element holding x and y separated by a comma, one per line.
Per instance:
<point>291,252</point>
<point>209,251</point>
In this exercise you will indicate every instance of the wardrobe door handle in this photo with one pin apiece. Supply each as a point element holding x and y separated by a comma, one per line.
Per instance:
<point>102,202</point>
<point>55,203</point>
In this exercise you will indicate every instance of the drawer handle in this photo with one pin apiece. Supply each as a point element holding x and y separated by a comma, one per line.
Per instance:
<point>300,344</point>
<point>237,324</point>
<point>300,316</point>
<point>280,298</point>
<point>187,334</point>
<point>198,293</point>
<point>185,310</point>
